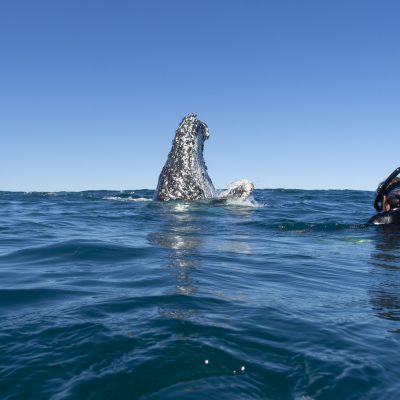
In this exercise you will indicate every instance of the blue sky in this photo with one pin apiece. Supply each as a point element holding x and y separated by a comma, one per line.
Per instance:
<point>296,93</point>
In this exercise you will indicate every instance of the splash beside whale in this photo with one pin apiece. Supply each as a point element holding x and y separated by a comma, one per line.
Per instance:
<point>184,175</point>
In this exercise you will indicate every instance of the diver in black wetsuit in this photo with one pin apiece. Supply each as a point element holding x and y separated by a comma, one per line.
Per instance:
<point>392,200</point>
<point>387,201</point>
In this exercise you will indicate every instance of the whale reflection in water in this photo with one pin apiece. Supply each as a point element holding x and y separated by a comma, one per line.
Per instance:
<point>181,236</point>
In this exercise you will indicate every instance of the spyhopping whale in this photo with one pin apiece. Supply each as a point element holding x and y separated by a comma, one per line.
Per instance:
<point>184,175</point>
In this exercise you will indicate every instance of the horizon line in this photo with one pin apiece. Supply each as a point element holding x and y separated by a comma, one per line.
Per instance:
<point>125,190</point>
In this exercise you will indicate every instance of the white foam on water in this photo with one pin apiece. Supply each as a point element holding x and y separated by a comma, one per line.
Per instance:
<point>249,202</point>
<point>181,207</point>
<point>137,200</point>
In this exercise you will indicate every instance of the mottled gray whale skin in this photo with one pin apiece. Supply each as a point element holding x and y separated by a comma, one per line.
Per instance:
<point>184,175</point>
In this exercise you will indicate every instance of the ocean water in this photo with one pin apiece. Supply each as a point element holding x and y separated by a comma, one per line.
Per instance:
<point>108,295</point>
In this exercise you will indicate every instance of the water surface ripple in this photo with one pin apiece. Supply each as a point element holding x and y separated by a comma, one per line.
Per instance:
<point>110,295</point>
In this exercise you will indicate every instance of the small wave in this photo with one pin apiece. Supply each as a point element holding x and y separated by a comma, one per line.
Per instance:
<point>129,198</point>
<point>24,296</point>
<point>44,194</point>
<point>75,250</point>
<point>318,227</point>
<point>303,227</point>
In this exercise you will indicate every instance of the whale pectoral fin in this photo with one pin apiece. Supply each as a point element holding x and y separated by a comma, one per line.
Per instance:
<point>240,190</point>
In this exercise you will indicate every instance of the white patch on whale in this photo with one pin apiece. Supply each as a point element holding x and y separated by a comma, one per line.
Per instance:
<point>240,190</point>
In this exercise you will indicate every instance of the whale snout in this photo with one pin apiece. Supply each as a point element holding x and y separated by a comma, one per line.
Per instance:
<point>190,123</point>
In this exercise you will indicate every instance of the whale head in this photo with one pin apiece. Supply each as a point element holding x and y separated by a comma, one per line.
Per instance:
<point>184,175</point>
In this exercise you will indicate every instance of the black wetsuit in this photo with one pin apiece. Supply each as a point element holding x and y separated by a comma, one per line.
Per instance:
<point>386,217</point>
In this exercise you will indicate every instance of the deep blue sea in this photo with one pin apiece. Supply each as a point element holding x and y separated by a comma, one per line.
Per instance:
<point>108,295</point>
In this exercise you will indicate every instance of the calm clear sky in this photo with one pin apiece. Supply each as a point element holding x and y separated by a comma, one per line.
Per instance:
<point>296,93</point>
